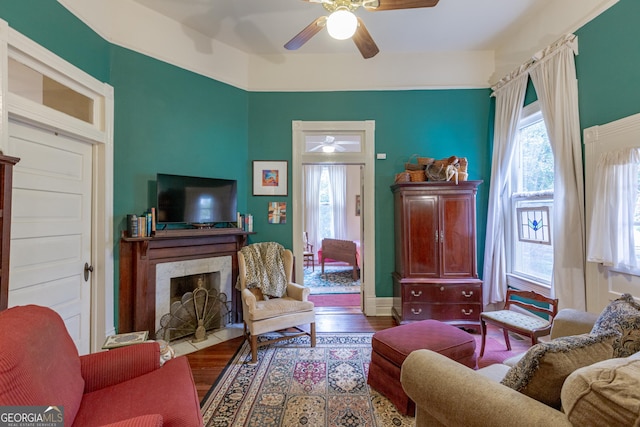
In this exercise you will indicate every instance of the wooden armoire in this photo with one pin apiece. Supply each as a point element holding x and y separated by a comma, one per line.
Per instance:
<point>436,273</point>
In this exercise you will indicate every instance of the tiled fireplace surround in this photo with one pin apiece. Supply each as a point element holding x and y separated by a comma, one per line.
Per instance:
<point>170,270</point>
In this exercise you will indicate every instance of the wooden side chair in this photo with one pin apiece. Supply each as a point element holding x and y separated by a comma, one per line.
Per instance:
<point>307,252</point>
<point>522,321</point>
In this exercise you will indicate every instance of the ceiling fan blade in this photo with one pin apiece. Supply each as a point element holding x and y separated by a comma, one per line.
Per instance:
<point>400,4</point>
<point>364,41</point>
<point>303,36</point>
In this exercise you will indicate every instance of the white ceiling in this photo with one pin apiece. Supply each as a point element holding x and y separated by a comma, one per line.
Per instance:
<point>262,27</point>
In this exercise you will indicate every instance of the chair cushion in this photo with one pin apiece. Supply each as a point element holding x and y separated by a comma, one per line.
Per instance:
<point>622,316</point>
<point>605,393</point>
<point>39,363</point>
<point>176,400</point>
<point>544,367</point>
<point>515,319</point>
<point>275,307</point>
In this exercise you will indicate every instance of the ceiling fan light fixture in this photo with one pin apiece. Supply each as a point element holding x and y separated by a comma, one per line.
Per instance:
<point>342,24</point>
<point>328,149</point>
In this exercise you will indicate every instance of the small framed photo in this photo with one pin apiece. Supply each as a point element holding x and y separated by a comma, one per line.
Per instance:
<point>277,213</point>
<point>270,177</point>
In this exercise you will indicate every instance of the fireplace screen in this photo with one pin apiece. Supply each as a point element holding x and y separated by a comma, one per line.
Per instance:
<point>197,306</point>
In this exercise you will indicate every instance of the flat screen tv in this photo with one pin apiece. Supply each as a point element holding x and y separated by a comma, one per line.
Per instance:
<point>196,200</point>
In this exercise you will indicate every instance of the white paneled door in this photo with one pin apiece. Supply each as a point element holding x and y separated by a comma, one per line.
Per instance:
<point>51,226</point>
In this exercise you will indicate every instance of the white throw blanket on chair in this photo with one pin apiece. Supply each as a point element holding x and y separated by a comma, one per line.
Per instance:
<point>265,268</point>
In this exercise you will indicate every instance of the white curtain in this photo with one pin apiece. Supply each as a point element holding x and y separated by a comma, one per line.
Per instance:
<point>312,174</point>
<point>611,235</point>
<point>554,78</point>
<point>338,189</point>
<point>509,103</point>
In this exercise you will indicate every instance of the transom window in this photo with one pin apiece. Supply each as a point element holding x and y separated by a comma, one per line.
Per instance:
<point>531,189</point>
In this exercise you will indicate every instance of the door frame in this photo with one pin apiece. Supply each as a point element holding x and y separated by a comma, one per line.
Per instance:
<point>99,133</point>
<point>367,158</point>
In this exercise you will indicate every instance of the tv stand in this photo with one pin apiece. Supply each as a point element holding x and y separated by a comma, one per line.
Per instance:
<point>201,225</point>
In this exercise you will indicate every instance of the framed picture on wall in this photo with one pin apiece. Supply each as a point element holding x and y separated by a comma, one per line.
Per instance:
<point>270,177</point>
<point>277,213</point>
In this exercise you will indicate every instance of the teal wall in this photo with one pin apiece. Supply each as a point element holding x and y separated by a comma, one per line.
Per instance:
<point>432,123</point>
<point>174,121</point>
<point>169,120</point>
<point>608,65</point>
<point>55,28</point>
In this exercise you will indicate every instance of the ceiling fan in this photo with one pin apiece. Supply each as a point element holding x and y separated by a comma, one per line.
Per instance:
<point>329,144</point>
<point>343,24</point>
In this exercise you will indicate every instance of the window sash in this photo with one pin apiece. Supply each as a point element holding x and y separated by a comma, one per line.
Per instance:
<point>521,272</point>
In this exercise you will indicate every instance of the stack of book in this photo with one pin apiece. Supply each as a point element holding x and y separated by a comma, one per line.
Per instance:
<point>245,222</point>
<point>142,225</point>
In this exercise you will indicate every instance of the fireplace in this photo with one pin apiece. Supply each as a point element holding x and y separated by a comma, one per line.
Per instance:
<point>139,258</point>
<point>192,297</point>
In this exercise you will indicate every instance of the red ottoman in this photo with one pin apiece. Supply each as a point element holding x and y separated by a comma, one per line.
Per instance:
<point>391,346</point>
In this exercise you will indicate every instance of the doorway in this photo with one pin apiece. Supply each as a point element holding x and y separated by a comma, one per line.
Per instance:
<point>331,212</point>
<point>59,121</point>
<point>348,143</point>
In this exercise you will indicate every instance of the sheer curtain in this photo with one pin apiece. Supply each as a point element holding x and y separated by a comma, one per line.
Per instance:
<point>312,174</point>
<point>554,78</point>
<point>509,103</point>
<point>611,235</point>
<point>338,189</point>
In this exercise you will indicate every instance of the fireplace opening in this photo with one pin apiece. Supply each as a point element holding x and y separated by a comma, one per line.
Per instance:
<point>197,305</point>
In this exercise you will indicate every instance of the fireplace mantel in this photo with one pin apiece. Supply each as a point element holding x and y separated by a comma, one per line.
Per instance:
<point>139,257</point>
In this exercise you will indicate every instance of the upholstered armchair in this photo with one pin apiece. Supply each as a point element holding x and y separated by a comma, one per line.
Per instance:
<point>263,314</point>
<point>40,366</point>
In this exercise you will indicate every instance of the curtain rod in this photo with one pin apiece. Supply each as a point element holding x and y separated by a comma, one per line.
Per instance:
<point>570,40</point>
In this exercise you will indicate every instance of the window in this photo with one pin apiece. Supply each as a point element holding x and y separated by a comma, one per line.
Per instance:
<point>326,206</point>
<point>531,188</point>
<point>636,222</point>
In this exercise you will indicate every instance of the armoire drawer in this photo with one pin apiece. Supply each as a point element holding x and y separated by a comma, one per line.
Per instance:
<point>420,311</point>
<point>457,292</point>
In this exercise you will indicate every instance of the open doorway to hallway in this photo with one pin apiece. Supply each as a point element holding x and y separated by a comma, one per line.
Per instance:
<point>332,233</point>
<point>336,145</point>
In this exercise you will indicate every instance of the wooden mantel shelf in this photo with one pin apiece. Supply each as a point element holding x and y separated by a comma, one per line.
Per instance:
<point>140,255</point>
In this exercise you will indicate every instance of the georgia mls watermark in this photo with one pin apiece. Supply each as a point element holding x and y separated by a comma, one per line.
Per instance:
<point>31,416</point>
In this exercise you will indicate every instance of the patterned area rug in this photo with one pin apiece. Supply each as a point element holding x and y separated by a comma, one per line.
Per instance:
<point>296,385</point>
<point>337,280</point>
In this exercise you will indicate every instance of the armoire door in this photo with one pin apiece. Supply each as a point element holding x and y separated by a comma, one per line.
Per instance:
<point>457,235</point>
<point>421,234</point>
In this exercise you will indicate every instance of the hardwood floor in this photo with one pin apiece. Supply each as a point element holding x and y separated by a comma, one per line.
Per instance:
<point>208,364</point>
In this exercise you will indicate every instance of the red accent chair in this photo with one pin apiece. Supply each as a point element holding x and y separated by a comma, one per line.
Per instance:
<point>40,366</point>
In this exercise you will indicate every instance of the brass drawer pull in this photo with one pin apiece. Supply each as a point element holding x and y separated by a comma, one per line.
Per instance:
<point>468,295</point>
<point>418,311</point>
<point>467,313</point>
<point>415,294</point>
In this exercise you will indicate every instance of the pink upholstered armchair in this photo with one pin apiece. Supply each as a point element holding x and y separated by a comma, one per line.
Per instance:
<point>40,366</point>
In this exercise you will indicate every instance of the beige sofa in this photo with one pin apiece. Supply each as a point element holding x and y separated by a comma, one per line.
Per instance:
<point>447,393</point>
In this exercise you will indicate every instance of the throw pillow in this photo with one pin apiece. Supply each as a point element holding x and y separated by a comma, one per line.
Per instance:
<point>604,394</point>
<point>544,367</point>
<point>622,316</point>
